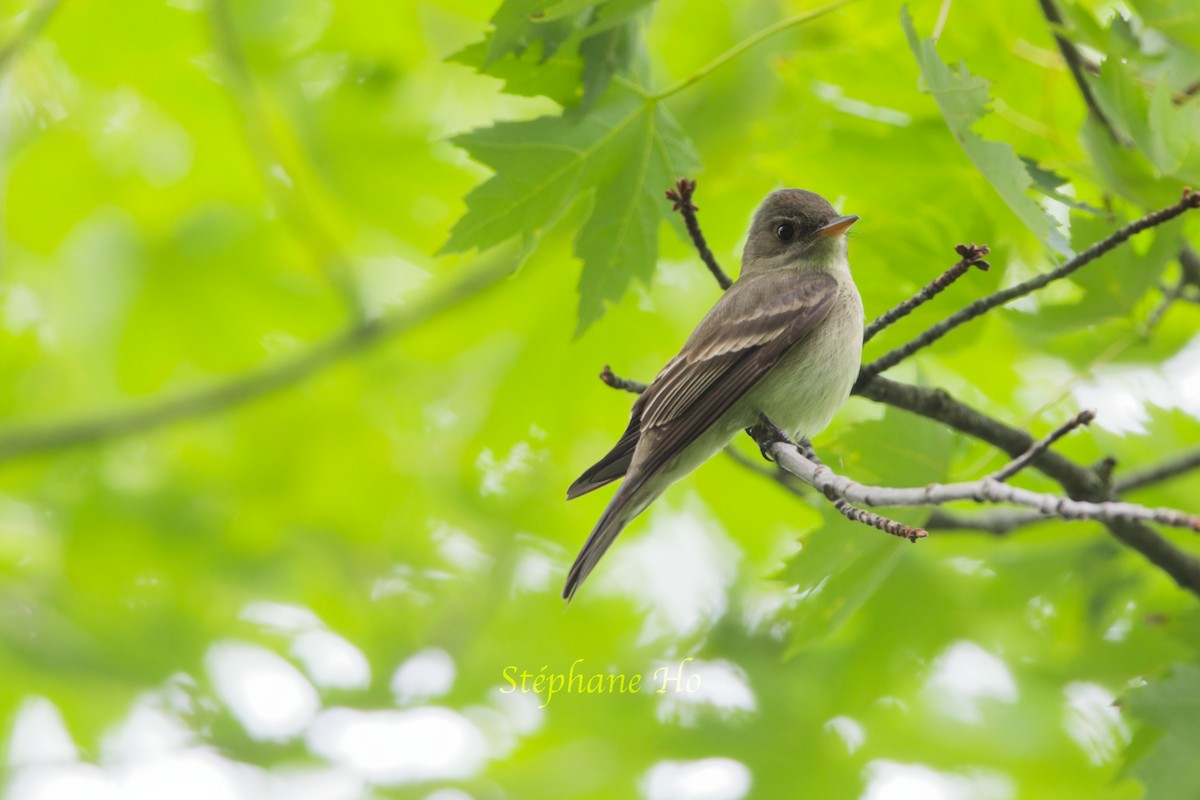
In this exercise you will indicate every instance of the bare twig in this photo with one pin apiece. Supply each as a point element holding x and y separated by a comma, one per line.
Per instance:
<point>972,256</point>
<point>1157,474</point>
<point>201,402</point>
<point>877,521</point>
<point>1075,63</point>
<point>980,307</point>
<point>1029,456</point>
<point>681,196</point>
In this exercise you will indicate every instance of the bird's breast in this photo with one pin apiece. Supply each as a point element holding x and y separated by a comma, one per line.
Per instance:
<point>813,379</point>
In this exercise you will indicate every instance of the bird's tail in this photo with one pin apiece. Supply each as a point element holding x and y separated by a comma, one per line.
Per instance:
<point>629,501</point>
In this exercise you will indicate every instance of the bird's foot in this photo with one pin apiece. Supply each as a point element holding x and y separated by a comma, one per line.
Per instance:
<point>767,434</point>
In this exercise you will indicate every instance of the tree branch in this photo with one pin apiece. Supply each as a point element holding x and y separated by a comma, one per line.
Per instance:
<point>1078,481</point>
<point>55,436</point>
<point>972,256</point>
<point>1189,200</point>
<point>768,435</point>
<point>986,489</point>
<point>1075,64</point>
<point>938,405</point>
<point>991,488</point>
<point>681,196</point>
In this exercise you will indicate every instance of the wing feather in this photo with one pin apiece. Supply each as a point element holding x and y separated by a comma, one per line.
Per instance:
<point>740,340</point>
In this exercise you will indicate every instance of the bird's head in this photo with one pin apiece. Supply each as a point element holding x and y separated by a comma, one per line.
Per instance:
<point>796,229</point>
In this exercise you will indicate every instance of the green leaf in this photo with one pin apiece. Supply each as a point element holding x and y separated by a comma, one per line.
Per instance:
<point>606,13</point>
<point>566,8</point>
<point>515,28</point>
<point>1178,19</point>
<point>839,569</point>
<point>1080,25</point>
<point>529,74</point>
<point>1123,170</point>
<point>1163,755</point>
<point>600,35</point>
<point>1174,130</point>
<point>628,150</point>
<point>615,12</point>
<point>1163,132</point>
<point>844,563</point>
<point>962,98</point>
<point>1048,182</point>
<point>899,449</point>
<point>604,55</point>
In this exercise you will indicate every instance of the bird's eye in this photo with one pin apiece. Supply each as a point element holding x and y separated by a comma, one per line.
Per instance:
<point>785,232</point>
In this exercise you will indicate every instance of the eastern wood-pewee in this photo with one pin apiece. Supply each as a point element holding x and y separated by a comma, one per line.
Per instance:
<point>785,340</point>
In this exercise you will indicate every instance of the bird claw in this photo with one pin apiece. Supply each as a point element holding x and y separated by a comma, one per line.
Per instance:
<point>767,434</point>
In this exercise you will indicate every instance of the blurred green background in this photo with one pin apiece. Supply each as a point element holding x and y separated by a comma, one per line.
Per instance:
<point>282,483</point>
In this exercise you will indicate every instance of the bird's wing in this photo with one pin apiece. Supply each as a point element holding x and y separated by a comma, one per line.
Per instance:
<point>616,462</point>
<point>740,340</point>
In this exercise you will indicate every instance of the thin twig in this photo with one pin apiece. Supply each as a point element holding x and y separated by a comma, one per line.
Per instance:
<point>256,384</point>
<point>1075,63</point>
<point>1157,474</point>
<point>681,196</point>
<point>1029,456</point>
<point>877,521</point>
<point>980,307</point>
<point>972,256</point>
<point>617,382</point>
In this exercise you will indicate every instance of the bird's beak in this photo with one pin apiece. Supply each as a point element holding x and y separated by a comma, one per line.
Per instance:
<point>838,226</point>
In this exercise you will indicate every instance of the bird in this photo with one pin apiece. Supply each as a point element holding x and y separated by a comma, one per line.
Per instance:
<point>784,342</point>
